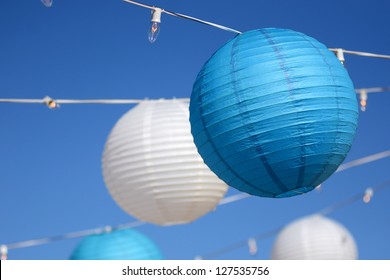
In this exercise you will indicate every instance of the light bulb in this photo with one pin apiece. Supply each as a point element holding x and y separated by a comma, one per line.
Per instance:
<point>47,3</point>
<point>340,56</point>
<point>154,28</point>
<point>252,246</point>
<point>51,103</point>
<point>363,104</point>
<point>4,252</point>
<point>368,194</point>
<point>363,100</point>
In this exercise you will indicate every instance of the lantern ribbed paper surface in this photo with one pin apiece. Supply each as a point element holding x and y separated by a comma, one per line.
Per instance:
<point>314,238</point>
<point>152,169</point>
<point>117,245</point>
<point>273,113</point>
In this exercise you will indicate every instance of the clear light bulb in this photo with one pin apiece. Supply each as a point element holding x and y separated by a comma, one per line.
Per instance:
<point>363,100</point>
<point>252,244</point>
<point>368,194</point>
<point>363,104</point>
<point>154,28</point>
<point>47,3</point>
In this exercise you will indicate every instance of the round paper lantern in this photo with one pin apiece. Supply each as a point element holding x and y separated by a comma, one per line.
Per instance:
<point>124,244</point>
<point>152,168</point>
<point>273,113</point>
<point>314,238</point>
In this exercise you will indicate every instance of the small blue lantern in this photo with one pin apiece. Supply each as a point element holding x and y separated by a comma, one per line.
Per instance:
<point>273,113</point>
<point>116,245</point>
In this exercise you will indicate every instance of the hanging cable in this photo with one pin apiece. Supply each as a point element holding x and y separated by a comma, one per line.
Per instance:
<point>77,234</point>
<point>342,167</point>
<point>372,90</point>
<point>160,10</point>
<point>233,198</point>
<point>357,197</point>
<point>339,52</point>
<point>224,201</point>
<point>363,160</point>
<point>325,212</point>
<point>55,103</point>
<point>363,95</point>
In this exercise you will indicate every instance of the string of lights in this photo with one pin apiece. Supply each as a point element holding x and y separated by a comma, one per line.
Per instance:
<point>365,196</point>
<point>153,33</point>
<point>55,103</point>
<point>343,167</point>
<point>363,95</point>
<point>154,29</point>
<point>227,200</point>
<point>374,55</point>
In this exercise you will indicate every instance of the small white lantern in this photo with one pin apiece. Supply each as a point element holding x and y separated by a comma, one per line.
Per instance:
<point>152,168</point>
<point>314,238</point>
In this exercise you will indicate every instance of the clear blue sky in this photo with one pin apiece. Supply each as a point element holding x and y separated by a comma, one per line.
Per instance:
<point>50,160</point>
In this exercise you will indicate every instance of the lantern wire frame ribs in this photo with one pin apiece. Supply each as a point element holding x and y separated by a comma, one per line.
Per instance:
<point>314,237</point>
<point>152,169</point>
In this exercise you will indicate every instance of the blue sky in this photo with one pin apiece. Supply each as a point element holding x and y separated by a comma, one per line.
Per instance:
<point>50,160</point>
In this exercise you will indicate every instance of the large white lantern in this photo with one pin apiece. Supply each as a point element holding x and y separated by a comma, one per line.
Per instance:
<point>314,238</point>
<point>152,168</point>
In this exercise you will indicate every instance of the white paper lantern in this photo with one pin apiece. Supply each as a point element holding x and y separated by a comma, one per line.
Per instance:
<point>152,168</point>
<point>314,238</point>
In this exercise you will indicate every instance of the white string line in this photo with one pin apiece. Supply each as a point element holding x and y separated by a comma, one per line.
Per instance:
<point>48,99</point>
<point>342,167</point>
<point>77,234</point>
<point>372,90</point>
<point>359,53</point>
<point>224,201</point>
<point>363,160</point>
<point>186,17</point>
<point>203,22</point>
<point>324,212</point>
<point>233,198</point>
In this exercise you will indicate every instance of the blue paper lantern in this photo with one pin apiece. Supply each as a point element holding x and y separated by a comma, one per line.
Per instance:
<point>273,113</point>
<point>116,245</point>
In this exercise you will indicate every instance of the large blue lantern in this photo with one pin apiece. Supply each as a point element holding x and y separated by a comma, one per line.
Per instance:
<point>123,244</point>
<point>273,113</point>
